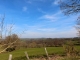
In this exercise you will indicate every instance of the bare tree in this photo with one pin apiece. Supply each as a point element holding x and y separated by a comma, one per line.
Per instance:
<point>70,6</point>
<point>1,25</point>
<point>10,37</point>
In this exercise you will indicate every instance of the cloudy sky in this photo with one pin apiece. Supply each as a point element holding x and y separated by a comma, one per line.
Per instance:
<point>38,18</point>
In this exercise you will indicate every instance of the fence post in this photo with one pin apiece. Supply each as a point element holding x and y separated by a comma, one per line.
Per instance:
<point>46,53</point>
<point>10,57</point>
<point>27,55</point>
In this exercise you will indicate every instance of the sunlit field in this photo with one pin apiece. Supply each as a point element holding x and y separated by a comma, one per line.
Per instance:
<point>35,52</point>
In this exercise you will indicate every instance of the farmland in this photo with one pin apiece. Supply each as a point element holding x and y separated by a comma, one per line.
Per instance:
<point>36,52</point>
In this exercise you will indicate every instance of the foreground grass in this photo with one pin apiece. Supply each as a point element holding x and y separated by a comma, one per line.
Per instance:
<point>34,52</point>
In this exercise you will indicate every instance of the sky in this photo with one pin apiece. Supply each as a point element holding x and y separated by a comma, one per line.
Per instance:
<point>37,19</point>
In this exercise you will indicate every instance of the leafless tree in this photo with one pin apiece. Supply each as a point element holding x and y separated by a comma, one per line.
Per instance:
<point>70,6</point>
<point>1,25</point>
<point>10,37</point>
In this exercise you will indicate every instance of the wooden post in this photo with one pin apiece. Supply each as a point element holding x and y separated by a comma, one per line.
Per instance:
<point>47,53</point>
<point>27,55</point>
<point>10,57</point>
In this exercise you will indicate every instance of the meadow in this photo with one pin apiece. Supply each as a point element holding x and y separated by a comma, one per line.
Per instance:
<point>35,52</point>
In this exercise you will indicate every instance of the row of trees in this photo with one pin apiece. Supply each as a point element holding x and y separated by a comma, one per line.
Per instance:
<point>47,42</point>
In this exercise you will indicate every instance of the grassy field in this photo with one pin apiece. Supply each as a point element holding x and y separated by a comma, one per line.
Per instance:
<point>34,52</point>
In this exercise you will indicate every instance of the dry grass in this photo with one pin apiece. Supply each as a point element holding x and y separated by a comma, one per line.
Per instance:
<point>50,58</point>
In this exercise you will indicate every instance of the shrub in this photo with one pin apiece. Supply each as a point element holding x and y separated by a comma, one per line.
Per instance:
<point>10,49</point>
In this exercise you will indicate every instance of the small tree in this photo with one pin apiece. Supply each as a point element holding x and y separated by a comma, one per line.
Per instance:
<point>11,39</point>
<point>70,49</point>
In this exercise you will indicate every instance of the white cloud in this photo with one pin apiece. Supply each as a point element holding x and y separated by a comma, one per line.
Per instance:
<point>47,29</point>
<point>56,2</point>
<point>37,31</point>
<point>39,28</point>
<point>40,10</point>
<point>64,34</point>
<point>24,8</point>
<point>58,17</point>
<point>49,17</point>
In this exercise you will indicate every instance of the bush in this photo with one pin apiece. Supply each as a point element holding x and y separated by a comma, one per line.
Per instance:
<point>10,49</point>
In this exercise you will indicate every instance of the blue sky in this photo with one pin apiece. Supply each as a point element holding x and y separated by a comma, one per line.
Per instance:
<point>38,18</point>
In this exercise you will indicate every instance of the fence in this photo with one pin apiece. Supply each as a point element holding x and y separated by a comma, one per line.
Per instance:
<point>27,57</point>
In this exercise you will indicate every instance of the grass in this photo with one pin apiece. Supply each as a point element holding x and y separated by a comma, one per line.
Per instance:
<point>34,52</point>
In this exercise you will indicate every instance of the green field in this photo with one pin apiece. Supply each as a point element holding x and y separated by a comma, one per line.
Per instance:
<point>34,52</point>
